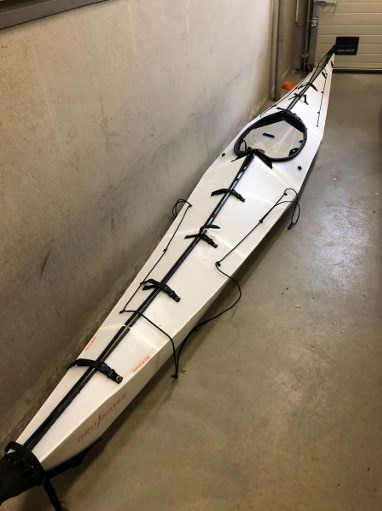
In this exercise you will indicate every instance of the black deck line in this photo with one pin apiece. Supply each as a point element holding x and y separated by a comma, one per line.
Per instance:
<point>321,102</point>
<point>34,439</point>
<point>319,69</point>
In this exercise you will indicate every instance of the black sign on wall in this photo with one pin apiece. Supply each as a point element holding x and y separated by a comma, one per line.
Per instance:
<point>347,45</point>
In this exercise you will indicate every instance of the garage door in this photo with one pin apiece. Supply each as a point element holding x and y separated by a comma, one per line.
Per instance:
<point>353,18</point>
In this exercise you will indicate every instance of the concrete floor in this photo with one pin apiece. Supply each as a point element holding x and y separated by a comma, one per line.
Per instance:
<point>279,406</point>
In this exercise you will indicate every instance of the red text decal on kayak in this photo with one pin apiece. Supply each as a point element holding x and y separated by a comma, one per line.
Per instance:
<point>140,364</point>
<point>101,417</point>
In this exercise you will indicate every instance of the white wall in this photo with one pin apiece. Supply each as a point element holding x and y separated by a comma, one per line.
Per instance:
<point>108,114</point>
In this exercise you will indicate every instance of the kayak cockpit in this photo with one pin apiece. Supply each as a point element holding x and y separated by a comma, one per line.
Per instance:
<point>279,137</point>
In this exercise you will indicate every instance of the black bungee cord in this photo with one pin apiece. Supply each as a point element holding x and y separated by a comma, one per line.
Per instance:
<point>293,221</point>
<point>175,358</point>
<point>174,212</point>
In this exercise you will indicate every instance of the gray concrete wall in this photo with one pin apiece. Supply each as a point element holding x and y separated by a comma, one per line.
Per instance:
<point>292,47</point>
<point>295,28</point>
<point>292,43</point>
<point>108,114</point>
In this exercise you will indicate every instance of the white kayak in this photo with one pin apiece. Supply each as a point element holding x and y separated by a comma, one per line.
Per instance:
<point>238,200</point>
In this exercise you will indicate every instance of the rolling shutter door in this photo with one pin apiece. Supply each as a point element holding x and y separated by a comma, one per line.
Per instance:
<point>353,18</point>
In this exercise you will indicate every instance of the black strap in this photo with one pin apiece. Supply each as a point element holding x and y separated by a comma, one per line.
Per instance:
<point>308,85</point>
<point>223,191</point>
<point>300,96</point>
<point>39,470</point>
<point>102,367</point>
<point>263,157</point>
<point>154,284</point>
<point>203,236</point>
